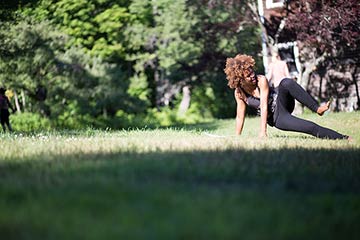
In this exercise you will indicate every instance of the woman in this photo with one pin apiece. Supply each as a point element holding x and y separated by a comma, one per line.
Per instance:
<point>275,108</point>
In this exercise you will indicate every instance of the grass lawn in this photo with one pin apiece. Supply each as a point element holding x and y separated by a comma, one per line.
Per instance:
<point>182,184</point>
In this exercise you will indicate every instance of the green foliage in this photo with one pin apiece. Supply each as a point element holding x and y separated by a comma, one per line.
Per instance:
<point>29,122</point>
<point>202,107</point>
<point>28,52</point>
<point>77,84</point>
<point>97,26</point>
<point>29,60</point>
<point>111,63</point>
<point>165,117</point>
<point>161,42</point>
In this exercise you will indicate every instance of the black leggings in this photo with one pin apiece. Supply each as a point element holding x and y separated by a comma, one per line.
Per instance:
<point>288,91</point>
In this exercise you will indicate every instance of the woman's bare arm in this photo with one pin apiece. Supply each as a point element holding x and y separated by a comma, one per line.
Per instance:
<point>240,112</point>
<point>264,96</point>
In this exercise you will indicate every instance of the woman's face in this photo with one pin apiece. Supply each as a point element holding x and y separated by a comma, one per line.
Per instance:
<point>249,76</point>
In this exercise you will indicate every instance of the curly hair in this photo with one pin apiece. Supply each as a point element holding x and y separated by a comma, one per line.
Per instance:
<point>237,69</point>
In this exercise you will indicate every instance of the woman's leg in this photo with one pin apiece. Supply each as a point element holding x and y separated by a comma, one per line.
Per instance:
<point>290,87</point>
<point>287,122</point>
<point>288,91</point>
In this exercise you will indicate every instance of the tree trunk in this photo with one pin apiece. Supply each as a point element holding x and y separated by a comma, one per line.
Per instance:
<point>303,81</point>
<point>357,89</point>
<point>185,101</point>
<point>17,105</point>
<point>158,88</point>
<point>309,64</point>
<point>23,99</point>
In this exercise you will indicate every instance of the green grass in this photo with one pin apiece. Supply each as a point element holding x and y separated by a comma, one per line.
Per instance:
<point>182,184</point>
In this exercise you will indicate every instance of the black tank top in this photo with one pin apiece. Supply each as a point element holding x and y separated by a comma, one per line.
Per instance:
<point>254,102</point>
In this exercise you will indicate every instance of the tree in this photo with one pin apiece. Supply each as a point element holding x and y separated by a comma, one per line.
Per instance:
<point>160,41</point>
<point>95,25</point>
<point>142,52</point>
<point>96,30</point>
<point>27,58</point>
<point>54,80</point>
<point>326,29</point>
<point>225,28</point>
<point>184,44</point>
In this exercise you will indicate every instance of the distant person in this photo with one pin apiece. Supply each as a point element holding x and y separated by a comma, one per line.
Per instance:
<point>277,71</point>
<point>4,110</point>
<point>275,108</point>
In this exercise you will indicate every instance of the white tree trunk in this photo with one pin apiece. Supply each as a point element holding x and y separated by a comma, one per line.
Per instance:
<point>185,101</point>
<point>17,105</point>
<point>309,64</point>
<point>23,99</point>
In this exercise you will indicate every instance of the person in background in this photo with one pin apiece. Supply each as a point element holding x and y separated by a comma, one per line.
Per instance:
<point>274,107</point>
<point>4,110</point>
<point>277,71</point>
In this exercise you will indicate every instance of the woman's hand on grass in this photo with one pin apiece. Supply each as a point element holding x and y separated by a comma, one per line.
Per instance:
<point>263,135</point>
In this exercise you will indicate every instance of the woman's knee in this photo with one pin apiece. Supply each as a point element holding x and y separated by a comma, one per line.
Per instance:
<point>286,82</point>
<point>282,121</point>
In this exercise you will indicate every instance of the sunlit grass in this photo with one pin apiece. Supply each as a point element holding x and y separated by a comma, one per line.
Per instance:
<point>180,183</point>
<point>220,138</point>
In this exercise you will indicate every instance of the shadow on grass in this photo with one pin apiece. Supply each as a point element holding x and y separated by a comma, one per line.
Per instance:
<point>183,195</point>
<point>300,170</point>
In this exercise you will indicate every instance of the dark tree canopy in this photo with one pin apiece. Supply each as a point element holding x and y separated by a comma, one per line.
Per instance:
<point>327,25</point>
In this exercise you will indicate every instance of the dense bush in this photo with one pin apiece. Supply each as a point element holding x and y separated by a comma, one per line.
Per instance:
<point>28,122</point>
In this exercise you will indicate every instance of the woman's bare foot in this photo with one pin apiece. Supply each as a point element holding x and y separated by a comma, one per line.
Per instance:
<point>323,108</point>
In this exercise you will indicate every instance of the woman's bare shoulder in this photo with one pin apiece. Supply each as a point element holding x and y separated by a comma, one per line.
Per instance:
<point>239,94</point>
<point>262,81</point>
<point>262,77</point>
